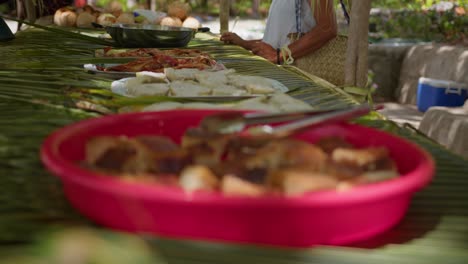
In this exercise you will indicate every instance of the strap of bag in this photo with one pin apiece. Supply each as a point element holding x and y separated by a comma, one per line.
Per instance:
<point>298,18</point>
<point>345,12</point>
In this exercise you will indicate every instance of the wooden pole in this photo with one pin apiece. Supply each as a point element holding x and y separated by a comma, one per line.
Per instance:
<point>30,8</point>
<point>224,16</point>
<point>356,65</point>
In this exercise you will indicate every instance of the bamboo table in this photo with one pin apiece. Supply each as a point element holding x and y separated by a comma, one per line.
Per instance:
<point>44,87</point>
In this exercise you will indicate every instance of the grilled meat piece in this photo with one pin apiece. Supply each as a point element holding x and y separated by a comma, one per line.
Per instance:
<point>297,181</point>
<point>235,186</point>
<point>118,154</point>
<point>198,177</point>
<point>287,153</point>
<point>206,148</point>
<point>329,144</point>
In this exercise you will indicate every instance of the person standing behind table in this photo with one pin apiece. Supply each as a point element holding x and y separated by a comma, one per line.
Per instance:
<point>281,30</point>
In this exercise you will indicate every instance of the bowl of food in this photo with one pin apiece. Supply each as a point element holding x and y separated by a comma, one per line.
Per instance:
<point>157,173</point>
<point>150,36</point>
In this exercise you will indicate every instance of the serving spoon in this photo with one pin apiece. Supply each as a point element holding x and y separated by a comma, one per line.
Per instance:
<point>234,122</point>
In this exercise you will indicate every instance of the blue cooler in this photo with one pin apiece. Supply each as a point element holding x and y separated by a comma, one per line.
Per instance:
<point>432,92</point>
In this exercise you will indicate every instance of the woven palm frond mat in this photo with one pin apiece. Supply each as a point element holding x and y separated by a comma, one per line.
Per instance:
<point>32,201</point>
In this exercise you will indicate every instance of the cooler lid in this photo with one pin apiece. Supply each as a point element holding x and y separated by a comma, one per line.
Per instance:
<point>442,83</point>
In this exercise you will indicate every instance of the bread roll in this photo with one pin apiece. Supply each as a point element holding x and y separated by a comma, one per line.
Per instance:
<point>171,21</point>
<point>126,18</point>
<point>106,19</point>
<point>191,22</point>
<point>65,17</point>
<point>85,20</point>
<point>179,10</point>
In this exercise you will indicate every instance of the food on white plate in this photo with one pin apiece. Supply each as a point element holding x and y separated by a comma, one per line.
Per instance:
<point>188,89</point>
<point>253,84</point>
<point>191,22</point>
<point>149,89</point>
<point>276,102</point>
<point>180,74</point>
<point>213,78</point>
<point>147,83</point>
<point>151,77</point>
<point>261,103</point>
<point>240,166</point>
<point>190,82</point>
<point>228,90</point>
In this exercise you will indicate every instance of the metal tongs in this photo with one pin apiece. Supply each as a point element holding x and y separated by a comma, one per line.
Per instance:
<point>235,122</point>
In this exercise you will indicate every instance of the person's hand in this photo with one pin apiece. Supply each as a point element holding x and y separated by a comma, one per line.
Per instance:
<point>265,50</point>
<point>232,38</point>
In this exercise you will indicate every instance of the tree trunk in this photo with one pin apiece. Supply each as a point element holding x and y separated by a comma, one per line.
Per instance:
<point>255,7</point>
<point>30,8</point>
<point>356,54</point>
<point>153,6</point>
<point>224,16</point>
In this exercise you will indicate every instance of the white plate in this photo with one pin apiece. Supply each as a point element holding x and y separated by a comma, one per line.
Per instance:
<point>120,87</point>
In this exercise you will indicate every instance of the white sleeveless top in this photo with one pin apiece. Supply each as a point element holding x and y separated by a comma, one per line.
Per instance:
<point>282,21</point>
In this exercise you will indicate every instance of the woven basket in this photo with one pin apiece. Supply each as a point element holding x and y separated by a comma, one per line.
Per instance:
<point>328,62</point>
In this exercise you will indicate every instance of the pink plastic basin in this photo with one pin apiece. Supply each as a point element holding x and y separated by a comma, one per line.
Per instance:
<point>326,217</point>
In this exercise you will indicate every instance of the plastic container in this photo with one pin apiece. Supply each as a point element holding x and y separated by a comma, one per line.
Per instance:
<point>432,92</point>
<point>327,217</point>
